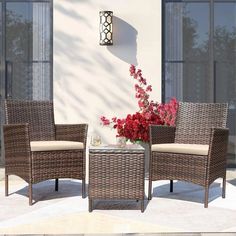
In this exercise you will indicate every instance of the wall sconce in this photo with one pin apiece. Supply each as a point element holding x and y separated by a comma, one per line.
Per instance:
<point>106,27</point>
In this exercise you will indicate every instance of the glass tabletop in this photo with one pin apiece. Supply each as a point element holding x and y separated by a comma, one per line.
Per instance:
<point>115,147</point>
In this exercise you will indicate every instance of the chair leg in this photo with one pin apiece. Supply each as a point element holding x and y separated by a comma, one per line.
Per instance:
<point>171,185</point>
<point>6,185</point>
<point>83,189</point>
<point>223,187</point>
<point>206,197</point>
<point>56,184</point>
<point>30,194</point>
<point>90,205</point>
<point>142,205</point>
<point>150,189</point>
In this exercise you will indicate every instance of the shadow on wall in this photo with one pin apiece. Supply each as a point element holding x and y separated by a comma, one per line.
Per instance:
<point>124,41</point>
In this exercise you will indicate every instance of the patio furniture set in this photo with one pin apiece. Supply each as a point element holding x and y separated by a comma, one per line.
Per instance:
<point>37,149</point>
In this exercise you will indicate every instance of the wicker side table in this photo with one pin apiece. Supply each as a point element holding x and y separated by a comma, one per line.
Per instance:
<point>116,173</point>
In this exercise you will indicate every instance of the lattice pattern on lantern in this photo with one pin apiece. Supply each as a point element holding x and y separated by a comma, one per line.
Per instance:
<point>106,27</point>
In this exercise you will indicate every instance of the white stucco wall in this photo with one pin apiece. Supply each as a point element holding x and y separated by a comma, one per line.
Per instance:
<point>92,80</point>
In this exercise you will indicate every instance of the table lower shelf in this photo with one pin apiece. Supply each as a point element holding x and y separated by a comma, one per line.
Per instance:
<point>91,207</point>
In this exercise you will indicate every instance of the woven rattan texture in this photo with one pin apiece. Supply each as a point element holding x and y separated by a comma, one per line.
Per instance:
<point>72,132</point>
<point>194,121</point>
<point>57,164</point>
<point>38,114</point>
<point>162,134</point>
<point>197,123</point>
<point>217,154</point>
<point>17,151</point>
<point>77,133</point>
<point>182,167</point>
<point>34,121</point>
<point>116,175</point>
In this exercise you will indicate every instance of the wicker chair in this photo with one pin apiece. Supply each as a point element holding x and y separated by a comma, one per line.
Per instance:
<point>193,151</point>
<point>36,149</point>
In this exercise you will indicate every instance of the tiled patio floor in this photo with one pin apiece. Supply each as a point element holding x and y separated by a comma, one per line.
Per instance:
<point>135,234</point>
<point>65,212</point>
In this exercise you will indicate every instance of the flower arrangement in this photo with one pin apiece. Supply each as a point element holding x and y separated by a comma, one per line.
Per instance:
<point>135,127</point>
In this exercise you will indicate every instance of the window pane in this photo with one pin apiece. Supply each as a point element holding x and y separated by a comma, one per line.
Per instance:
<point>225,66</point>
<point>28,50</point>
<point>196,31</point>
<point>18,31</point>
<point>225,31</point>
<point>41,31</point>
<point>187,46</point>
<point>186,31</point>
<point>174,81</point>
<point>174,31</point>
<point>196,85</point>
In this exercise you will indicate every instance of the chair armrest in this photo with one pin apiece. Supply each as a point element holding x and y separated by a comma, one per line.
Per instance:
<point>218,145</point>
<point>17,145</point>
<point>72,132</point>
<point>161,134</point>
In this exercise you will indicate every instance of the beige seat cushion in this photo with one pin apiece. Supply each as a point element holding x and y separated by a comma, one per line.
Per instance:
<point>37,146</point>
<point>195,149</point>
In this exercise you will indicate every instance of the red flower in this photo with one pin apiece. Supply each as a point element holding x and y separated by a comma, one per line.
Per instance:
<point>136,126</point>
<point>140,104</point>
<point>132,70</point>
<point>104,120</point>
<point>149,88</point>
<point>168,111</point>
<point>114,119</point>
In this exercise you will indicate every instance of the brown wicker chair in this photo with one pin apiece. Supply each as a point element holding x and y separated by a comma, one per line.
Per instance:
<point>36,149</point>
<point>195,150</point>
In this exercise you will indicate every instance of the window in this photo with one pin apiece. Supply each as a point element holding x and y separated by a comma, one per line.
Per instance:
<point>199,59</point>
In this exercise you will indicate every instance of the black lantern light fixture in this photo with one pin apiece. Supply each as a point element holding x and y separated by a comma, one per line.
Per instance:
<point>106,28</point>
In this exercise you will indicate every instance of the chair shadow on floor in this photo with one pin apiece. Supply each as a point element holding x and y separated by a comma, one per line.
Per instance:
<point>45,190</point>
<point>232,181</point>
<point>187,192</point>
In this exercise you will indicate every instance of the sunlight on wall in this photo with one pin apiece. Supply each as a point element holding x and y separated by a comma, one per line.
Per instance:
<point>92,80</point>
